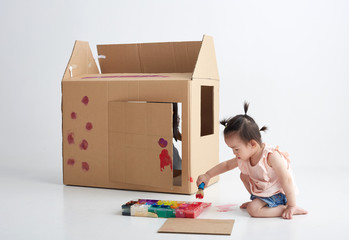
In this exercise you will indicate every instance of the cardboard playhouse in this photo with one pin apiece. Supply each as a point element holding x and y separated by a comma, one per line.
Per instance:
<point>118,122</point>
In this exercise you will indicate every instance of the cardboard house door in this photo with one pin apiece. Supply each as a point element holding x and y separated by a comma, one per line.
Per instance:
<point>140,143</point>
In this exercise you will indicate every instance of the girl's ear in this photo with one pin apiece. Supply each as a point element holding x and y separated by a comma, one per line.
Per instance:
<point>253,143</point>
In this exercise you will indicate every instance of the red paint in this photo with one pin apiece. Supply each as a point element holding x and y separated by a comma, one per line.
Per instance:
<point>70,138</point>
<point>89,126</point>
<point>225,208</point>
<point>73,115</point>
<point>162,142</point>
<point>85,166</point>
<point>71,161</point>
<point>83,145</point>
<point>199,195</point>
<point>165,159</point>
<point>85,100</point>
<point>191,179</point>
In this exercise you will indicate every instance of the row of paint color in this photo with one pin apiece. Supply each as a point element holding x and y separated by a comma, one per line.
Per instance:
<point>165,209</point>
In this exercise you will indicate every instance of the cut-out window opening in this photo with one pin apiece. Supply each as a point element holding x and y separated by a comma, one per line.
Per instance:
<point>206,115</point>
<point>177,144</point>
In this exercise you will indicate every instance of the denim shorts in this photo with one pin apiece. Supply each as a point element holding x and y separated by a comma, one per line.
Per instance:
<point>273,201</point>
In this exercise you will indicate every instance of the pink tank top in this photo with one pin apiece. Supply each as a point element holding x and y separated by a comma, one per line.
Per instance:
<point>262,178</point>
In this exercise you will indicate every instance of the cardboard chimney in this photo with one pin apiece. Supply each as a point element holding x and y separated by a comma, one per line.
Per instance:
<point>117,123</point>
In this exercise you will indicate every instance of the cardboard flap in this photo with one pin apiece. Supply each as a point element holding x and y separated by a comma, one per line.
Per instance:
<point>140,143</point>
<point>81,61</point>
<point>168,57</point>
<point>206,65</point>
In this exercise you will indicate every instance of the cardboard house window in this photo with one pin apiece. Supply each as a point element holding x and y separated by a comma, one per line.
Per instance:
<point>206,110</point>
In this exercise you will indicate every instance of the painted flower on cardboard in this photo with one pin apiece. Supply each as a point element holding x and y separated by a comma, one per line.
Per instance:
<point>162,142</point>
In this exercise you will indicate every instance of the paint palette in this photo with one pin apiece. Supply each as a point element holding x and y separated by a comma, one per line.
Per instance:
<point>164,209</point>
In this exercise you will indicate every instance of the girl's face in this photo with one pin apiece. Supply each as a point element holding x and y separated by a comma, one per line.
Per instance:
<point>240,149</point>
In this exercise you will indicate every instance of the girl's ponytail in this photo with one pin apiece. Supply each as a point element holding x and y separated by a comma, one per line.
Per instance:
<point>246,105</point>
<point>224,122</point>
<point>264,128</point>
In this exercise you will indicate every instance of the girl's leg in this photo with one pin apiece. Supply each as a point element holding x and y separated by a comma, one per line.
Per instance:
<point>258,208</point>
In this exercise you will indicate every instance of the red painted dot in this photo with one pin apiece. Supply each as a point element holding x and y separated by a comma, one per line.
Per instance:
<point>70,138</point>
<point>85,100</point>
<point>165,159</point>
<point>83,145</point>
<point>89,126</point>
<point>73,115</point>
<point>71,161</point>
<point>85,166</point>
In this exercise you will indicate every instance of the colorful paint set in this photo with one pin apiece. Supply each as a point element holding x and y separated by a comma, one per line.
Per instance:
<point>164,209</point>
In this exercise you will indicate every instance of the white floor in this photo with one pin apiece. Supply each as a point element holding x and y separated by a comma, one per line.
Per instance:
<point>34,204</point>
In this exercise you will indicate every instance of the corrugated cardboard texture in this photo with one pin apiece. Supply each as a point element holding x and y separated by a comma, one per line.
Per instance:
<point>85,133</point>
<point>198,226</point>
<point>203,148</point>
<point>157,91</point>
<point>132,77</point>
<point>139,135</point>
<point>170,57</point>
<point>81,61</point>
<point>151,72</point>
<point>206,65</point>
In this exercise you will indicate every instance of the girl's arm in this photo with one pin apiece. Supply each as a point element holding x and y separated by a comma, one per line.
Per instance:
<point>280,168</point>
<point>216,170</point>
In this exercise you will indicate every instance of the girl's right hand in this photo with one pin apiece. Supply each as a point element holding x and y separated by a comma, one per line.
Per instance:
<point>205,178</point>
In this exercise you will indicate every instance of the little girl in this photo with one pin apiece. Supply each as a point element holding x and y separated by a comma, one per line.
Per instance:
<point>265,171</point>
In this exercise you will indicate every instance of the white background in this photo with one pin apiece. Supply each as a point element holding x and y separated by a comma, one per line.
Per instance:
<point>289,59</point>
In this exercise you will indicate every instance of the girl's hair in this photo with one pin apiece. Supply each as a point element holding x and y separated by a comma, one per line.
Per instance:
<point>175,121</point>
<point>243,125</point>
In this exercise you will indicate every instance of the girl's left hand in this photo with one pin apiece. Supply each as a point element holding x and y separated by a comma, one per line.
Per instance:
<point>289,211</point>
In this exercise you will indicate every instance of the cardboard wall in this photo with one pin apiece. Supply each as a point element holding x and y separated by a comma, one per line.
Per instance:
<point>204,150</point>
<point>85,133</point>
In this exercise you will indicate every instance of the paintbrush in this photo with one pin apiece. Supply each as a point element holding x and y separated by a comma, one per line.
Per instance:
<point>200,193</point>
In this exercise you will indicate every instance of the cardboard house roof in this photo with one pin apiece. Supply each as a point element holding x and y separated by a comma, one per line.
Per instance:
<point>179,60</point>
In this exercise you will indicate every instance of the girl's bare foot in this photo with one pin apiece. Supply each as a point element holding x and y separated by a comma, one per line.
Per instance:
<point>300,211</point>
<point>244,205</point>
<point>290,211</point>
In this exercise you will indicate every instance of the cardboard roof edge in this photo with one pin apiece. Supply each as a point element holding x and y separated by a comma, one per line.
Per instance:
<point>196,57</point>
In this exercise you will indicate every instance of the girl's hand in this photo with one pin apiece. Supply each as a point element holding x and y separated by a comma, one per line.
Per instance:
<point>205,178</point>
<point>289,212</point>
